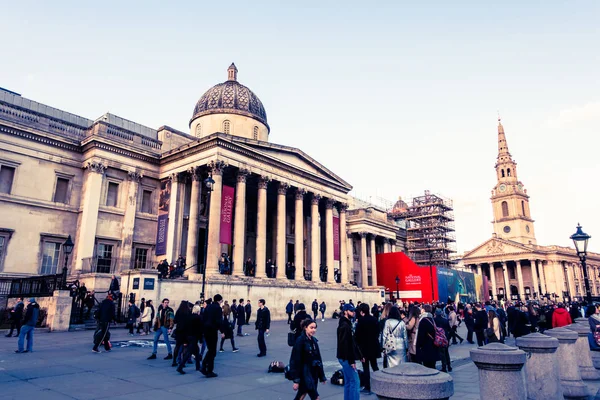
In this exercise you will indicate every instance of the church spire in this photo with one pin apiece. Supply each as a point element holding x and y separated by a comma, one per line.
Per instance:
<point>232,72</point>
<point>506,167</point>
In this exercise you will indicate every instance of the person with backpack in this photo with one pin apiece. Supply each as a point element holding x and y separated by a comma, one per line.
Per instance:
<point>306,364</point>
<point>315,309</point>
<point>289,310</point>
<point>322,309</point>
<point>105,314</point>
<point>133,313</point>
<point>395,339</point>
<point>443,323</point>
<point>427,353</point>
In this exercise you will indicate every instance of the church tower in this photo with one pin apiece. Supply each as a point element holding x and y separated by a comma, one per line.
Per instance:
<point>510,202</point>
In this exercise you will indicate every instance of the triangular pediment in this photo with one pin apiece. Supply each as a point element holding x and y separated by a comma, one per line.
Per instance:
<point>293,158</point>
<point>496,246</point>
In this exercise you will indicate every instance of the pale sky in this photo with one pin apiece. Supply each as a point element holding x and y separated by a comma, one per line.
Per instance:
<point>395,97</point>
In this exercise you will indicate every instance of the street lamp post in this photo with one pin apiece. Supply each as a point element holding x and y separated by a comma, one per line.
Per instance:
<point>580,239</point>
<point>430,252</point>
<point>67,249</point>
<point>208,182</point>
<point>397,284</point>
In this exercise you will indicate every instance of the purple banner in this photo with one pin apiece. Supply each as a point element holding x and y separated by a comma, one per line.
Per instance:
<point>226,214</point>
<point>163,217</point>
<point>336,238</point>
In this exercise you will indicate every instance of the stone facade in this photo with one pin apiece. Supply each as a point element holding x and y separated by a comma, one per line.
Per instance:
<point>516,266</point>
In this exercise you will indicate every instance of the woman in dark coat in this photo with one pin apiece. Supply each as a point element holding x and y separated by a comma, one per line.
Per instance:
<point>366,336</point>
<point>300,316</point>
<point>191,332</point>
<point>427,353</point>
<point>181,320</point>
<point>306,365</point>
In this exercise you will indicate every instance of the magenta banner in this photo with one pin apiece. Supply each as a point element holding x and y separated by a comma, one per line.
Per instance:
<point>227,214</point>
<point>336,238</point>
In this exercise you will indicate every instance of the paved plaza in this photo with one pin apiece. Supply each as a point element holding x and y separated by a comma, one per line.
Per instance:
<point>63,366</point>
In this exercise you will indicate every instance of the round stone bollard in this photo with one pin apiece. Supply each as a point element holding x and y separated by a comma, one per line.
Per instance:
<point>541,368</point>
<point>411,381</point>
<point>582,349</point>
<point>568,368</point>
<point>500,372</point>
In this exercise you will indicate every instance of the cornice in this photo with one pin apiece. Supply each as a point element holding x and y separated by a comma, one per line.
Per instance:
<point>96,144</point>
<point>24,201</point>
<point>73,146</point>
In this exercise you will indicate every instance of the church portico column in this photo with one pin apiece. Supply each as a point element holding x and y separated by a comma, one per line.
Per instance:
<point>520,281</point>
<point>479,267</point>
<point>191,254</point>
<point>261,228</point>
<point>571,278</point>
<point>493,279</point>
<point>280,255</point>
<point>373,262</point>
<point>343,245</point>
<point>299,234</point>
<point>239,222</point>
<point>393,246</point>
<point>386,245</point>
<point>315,237</point>
<point>543,286</point>
<point>506,281</point>
<point>536,288</point>
<point>364,273</point>
<point>329,239</point>
<point>214,218</point>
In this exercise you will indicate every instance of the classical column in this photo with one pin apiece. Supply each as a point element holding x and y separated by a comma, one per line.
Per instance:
<point>506,281</point>
<point>280,254</point>
<point>261,228</point>
<point>393,246</point>
<point>536,288</point>
<point>329,239</point>
<point>174,210</point>
<point>570,276</point>
<point>592,276</point>
<point>373,262</point>
<point>364,273</point>
<point>386,245</point>
<point>493,279</point>
<point>299,233</point>
<point>543,286</point>
<point>191,254</point>
<point>214,218</point>
<point>343,245</point>
<point>559,279</point>
<point>479,270</point>
<point>239,222</point>
<point>88,220</point>
<point>520,281</point>
<point>128,227</point>
<point>315,236</point>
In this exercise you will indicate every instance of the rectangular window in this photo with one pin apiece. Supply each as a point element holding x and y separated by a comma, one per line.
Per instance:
<point>112,194</point>
<point>50,258</point>
<point>7,175</point>
<point>104,258</point>
<point>141,255</point>
<point>61,191</point>
<point>147,201</point>
<point>511,273</point>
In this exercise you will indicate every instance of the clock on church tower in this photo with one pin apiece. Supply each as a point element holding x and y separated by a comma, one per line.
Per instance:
<point>510,202</point>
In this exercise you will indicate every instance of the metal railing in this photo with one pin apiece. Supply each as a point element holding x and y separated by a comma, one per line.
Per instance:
<point>100,265</point>
<point>35,286</point>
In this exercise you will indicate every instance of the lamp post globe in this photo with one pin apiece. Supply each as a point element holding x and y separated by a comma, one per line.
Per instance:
<point>580,240</point>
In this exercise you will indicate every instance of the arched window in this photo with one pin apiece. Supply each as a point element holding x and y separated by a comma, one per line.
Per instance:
<point>503,173</point>
<point>226,127</point>
<point>255,133</point>
<point>523,208</point>
<point>508,172</point>
<point>198,130</point>
<point>504,209</point>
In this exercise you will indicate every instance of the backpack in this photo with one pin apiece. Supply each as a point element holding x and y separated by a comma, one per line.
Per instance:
<point>337,378</point>
<point>597,335</point>
<point>276,367</point>
<point>136,312</point>
<point>390,341</point>
<point>440,339</point>
<point>287,374</point>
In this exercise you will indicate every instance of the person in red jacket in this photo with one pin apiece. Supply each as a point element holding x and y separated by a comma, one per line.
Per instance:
<point>561,317</point>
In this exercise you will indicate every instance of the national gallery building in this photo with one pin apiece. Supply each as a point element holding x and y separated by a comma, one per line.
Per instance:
<point>255,213</point>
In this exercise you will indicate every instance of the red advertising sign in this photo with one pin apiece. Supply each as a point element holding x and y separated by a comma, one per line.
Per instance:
<point>336,238</point>
<point>414,282</point>
<point>227,214</point>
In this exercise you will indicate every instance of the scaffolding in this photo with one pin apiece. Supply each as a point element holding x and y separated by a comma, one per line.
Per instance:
<point>430,229</point>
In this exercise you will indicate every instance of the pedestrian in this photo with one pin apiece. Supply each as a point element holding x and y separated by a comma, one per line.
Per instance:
<point>114,287</point>
<point>481,322</point>
<point>469,323</point>
<point>411,330</point>
<point>427,353</point>
<point>453,322</point>
<point>315,309</point>
<point>300,316</point>
<point>375,311</point>
<point>367,339</point>
<point>296,304</point>
<point>213,316</point>
<point>16,317</point>
<point>395,338</point>
<point>262,325</point>
<point>146,318</point>
<point>322,309</point>
<point>142,306</point>
<point>133,314</point>
<point>106,314</point>
<point>289,310</point>
<point>306,365</point>
<point>234,312</point>
<point>182,318</point>
<point>561,317</point>
<point>347,353</point>
<point>241,318</point>
<point>32,313</point>
<point>248,309</point>
<point>493,331</point>
<point>227,328</point>
<point>90,302</point>
<point>443,323</point>
<point>163,325</point>
<point>193,333</point>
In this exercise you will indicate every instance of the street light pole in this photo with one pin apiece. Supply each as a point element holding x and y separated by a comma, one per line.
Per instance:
<point>397,284</point>
<point>208,182</point>
<point>580,239</point>
<point>67,249</point>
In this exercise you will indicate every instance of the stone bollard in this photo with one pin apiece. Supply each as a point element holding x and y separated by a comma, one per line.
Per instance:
<point>411,381</point>
<point>568,368</point>
<point>582,349</point>
<point>500,372</point>
<point>541,368</point>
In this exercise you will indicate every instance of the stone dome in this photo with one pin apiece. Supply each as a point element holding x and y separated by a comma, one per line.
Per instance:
<point>230,97</point>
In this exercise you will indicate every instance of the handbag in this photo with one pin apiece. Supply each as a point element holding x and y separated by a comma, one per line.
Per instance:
<point>597,335</point>
<point>489,332</point>
<point>390,341</point>
<point>291,339</point>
